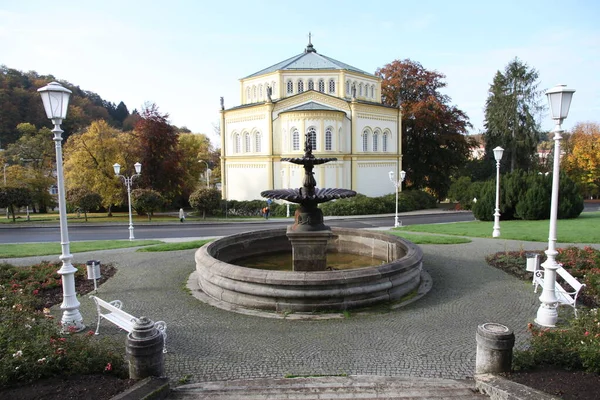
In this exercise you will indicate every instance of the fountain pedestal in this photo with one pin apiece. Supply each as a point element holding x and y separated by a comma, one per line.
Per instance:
<point>309,249</point>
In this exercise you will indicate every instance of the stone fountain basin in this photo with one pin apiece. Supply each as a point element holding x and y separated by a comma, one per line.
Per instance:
<point>291,291</point>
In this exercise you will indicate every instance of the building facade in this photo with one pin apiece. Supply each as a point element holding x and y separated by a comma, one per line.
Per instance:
<point>337,105</point>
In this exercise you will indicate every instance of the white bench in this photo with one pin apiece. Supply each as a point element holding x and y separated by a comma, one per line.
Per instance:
<point>115,314</point>
<point>562,296</point>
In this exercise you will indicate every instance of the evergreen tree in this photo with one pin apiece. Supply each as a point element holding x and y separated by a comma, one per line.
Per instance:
<point>511,116</point>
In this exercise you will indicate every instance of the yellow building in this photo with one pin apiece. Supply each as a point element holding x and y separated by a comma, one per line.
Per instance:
<point>338,105</point>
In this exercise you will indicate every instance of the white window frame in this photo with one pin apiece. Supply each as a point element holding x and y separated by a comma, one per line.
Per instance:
<point>312,132</point>
<point>295,140</point>
<point>328,139</point>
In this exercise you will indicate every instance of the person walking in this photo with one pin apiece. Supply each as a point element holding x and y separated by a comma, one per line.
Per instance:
<point>181,215</point>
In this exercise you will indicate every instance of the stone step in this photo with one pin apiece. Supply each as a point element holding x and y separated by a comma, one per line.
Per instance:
<point>350,387</point>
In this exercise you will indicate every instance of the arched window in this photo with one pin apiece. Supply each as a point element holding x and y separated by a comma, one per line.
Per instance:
<point>260,92</point>
<point>248,95</point>
<point>238,143</point>
<point>328,140</point>
<point>273,88</point>
<point>365,140</point>
<point>247,143</point>
<point>331,86</point>
<point>295,140</point>
<point>258,142</point>
<point>312,134</point>
<point>290,87</point>
<point>376,141</point>
<point>360,87</point>
<point>372,91</point>
<point>311,84</point>
<point>300,86</point>
<point>254,93</point>
<point>384,140</point>
<point>321,85</point>
<point>347,88</point>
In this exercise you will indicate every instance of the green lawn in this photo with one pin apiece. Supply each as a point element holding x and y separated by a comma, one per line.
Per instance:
<point>195,244</point>
<point>583,229</point>
<point>45,249</point>
<point>430,239</point>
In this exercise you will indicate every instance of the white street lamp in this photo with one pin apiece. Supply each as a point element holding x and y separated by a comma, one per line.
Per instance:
<point>498,156</point>
<point>128,180</point>
<point>398,185</point>
<point>559,98</point>
<point>207,172</point>
<point>56,101</point>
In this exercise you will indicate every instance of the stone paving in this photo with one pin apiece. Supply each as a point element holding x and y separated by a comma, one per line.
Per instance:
<point>432,338</point>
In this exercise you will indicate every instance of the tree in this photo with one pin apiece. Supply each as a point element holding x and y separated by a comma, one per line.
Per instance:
<point>512,113</point>
<point>89,159</point>
<point>14,197</point>
<point>84,200</point>
<point>433,143</point>
<point>207,201</point>
<point>146,201</point>
<point>159,153</point>
<point>194,147</point>
<point>582,160</point>
<point>34,151</point>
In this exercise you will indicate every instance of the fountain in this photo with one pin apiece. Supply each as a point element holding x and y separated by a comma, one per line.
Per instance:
<point>311,286</point>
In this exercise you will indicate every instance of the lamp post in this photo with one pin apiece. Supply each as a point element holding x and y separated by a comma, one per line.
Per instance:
<point>398,185</point>
<point>128,180</point>
<point>559,98</point>
<point>207,169</point>
<point>498,156</point>
<point>5,165</point>
<point>56,100</point>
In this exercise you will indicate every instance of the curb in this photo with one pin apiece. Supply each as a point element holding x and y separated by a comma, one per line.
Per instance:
<point>498,388</point>
<point>151,388</point>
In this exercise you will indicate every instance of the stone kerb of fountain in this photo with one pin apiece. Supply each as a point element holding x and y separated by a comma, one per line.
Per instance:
<point>300,291</point>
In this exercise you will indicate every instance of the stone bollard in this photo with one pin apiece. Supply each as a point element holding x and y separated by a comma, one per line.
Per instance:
<point>494,348</point>
<point>144,348</point>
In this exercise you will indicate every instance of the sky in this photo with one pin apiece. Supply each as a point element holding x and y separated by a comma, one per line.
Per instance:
<point>184,55</point>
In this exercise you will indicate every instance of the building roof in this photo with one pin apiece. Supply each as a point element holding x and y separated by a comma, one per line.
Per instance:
<point>308,60</point>
<point>311,106</point>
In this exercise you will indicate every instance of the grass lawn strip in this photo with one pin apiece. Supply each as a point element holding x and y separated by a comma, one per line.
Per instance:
<point>44,249</point>
<point>578,230</point>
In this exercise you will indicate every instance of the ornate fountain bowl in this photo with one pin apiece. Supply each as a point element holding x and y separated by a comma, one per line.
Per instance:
<point>297,195</point>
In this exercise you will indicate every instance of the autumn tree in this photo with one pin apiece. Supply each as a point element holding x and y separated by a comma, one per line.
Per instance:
<point>512,113</point>
<point>582,160</point>
<point>34,152</point>
<point>196,154</point>
<point>159,153</point>
<point>89,159</point>
<point>433,143</point>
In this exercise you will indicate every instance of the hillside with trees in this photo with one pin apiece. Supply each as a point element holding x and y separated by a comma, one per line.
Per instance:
<point>97,134</point>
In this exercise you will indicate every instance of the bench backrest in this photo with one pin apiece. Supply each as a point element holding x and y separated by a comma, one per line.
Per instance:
<point>574,283</point>
<point>109,307</point>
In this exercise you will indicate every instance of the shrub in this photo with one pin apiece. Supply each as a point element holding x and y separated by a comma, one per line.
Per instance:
<point>576,347</point>
<point>362,205</point>
<point>527,196</point>
<point>146,201</point>
<point>206,201</point>
<point>535,204</point>
<point>32,345</point>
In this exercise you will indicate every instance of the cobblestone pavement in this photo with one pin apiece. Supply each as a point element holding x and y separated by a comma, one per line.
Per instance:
<point>432,337</point>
